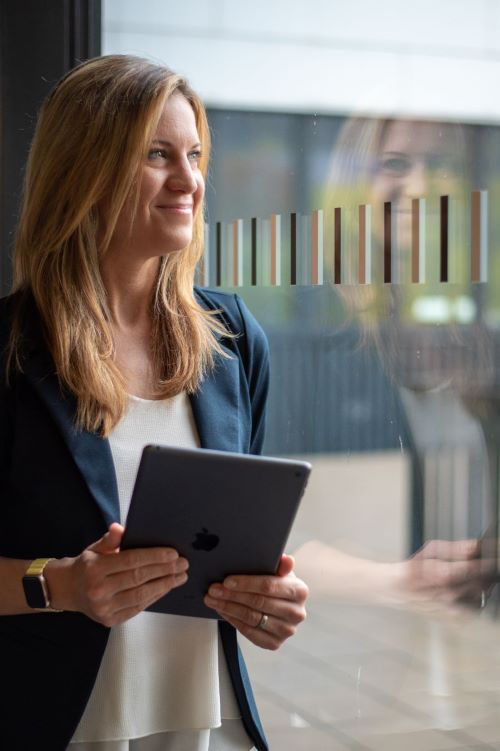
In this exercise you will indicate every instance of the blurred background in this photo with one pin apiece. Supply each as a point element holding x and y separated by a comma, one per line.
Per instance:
<point>385,362</point>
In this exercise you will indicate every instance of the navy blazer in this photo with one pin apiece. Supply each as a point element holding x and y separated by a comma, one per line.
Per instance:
<point>58,494</point>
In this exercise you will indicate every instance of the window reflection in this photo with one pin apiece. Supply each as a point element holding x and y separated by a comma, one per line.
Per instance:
<point>390,388</point>
<point>418,360</point>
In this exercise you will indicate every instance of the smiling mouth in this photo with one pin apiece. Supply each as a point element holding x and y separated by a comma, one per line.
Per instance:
<point>181,208</point>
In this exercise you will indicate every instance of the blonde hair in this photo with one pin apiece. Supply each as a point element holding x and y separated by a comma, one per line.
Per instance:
<point>353,168</point>
<point>89,145</point>
<point>377,306</point>
<point>348,185</point>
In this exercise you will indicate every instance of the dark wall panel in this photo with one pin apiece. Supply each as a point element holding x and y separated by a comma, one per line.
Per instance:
<point>39,42</point>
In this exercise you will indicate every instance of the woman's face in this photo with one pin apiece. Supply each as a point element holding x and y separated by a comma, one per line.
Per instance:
<point>416,159</point>
<point>171,187</point>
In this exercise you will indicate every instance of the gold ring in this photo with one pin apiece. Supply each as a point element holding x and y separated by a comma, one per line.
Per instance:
<point>263,621</point>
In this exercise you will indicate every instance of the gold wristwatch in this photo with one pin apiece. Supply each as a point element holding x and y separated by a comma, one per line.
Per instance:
<point>35,586</point>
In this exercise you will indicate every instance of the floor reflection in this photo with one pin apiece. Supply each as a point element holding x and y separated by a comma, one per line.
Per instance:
<point>418,675</point>
<point>382,679</point>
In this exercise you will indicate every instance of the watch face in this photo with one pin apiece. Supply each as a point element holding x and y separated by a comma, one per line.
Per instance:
<point>33,590</point>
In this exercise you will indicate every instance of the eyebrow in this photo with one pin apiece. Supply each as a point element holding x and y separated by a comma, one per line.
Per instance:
<point>197,145</point>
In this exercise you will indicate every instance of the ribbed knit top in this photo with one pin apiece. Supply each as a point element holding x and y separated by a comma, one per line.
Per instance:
<point>159,672</point>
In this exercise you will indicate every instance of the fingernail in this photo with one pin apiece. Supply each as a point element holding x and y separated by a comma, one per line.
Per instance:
<point>171,555</point>
<point>230,583</point>
<point>216,590</point>
<point>181,578</point>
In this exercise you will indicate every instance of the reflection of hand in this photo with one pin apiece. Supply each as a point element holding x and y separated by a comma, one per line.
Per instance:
<point>244,600</point>
<point>110,586</point>
<point>444,571</point>
<point>440,573</point>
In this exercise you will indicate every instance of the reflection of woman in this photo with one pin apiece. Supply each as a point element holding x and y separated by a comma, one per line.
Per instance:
<point>104,309</point>
<point>378,161</point>
<point>388,160</point>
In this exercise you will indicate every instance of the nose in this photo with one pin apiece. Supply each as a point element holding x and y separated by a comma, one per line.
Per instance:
<point>415,180</point>
<point>181,176</point>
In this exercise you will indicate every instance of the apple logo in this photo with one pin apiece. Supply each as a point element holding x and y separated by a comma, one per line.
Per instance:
<point>204,540</point>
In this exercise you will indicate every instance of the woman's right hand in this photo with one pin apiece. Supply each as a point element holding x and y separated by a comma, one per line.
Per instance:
<point>111,585</point>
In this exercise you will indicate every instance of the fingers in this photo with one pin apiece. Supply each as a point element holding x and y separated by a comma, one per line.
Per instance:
<point>474,594</point>
<point>128,560</point>
<point>237,603</point>
<point>242,600</point>
<point>129,580</point>
<point>281,587</point>
<point>450,550</point>
<point>443,575</point>
<point>285,616</point>
<point>258,636</point>
<point>110,541</point>
<point>131,602</point>
<point>149,592</point>
<point>106,594</point>
<point>286,565</point>
<point>136,577</point>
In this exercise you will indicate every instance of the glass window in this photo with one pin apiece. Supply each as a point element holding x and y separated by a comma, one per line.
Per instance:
<point>351,203</point>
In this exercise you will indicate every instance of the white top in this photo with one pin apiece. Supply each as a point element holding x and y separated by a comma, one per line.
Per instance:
<point>159,672</point>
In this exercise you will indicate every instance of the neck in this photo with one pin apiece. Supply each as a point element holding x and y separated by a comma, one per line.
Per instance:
<point>129,285</point>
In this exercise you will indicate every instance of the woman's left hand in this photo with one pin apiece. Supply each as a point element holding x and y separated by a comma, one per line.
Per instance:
<point>244,600</point>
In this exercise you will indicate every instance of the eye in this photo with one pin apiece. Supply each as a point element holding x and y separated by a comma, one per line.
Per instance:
<point>195,156</point>
<point>155,154</point>
<point>397,165</point>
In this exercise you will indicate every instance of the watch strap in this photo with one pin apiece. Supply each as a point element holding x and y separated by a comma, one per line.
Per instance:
<point>34,573</point>
<point>37,566</point>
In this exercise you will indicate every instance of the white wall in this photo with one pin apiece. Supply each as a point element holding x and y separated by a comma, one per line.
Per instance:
<point>431,58</point>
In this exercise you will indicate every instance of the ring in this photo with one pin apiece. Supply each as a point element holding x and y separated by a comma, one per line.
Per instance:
<point>483,599</point>
<point>263,621</point>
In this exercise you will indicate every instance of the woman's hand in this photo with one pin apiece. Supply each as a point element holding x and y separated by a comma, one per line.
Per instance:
<point>445,572</point>
<point>243,600</point>
<point>440,573</point>
<point>110,586</point>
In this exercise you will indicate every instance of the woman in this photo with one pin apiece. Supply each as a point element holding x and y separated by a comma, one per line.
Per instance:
<point>107,347</point>
<point>376,161</point>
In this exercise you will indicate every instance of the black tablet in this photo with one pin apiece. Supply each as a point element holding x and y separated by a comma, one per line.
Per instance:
<point>226,513</point>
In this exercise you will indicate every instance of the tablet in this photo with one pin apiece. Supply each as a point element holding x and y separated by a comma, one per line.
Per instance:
<point>226,513</point>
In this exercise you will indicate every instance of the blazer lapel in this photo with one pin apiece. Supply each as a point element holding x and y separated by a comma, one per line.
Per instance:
<point>216,406</point>
<point>215,409</point>
<point>91,453</point>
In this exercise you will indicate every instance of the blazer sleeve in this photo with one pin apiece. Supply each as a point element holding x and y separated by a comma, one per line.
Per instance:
<point>254,352</point>
<point>6,400</point>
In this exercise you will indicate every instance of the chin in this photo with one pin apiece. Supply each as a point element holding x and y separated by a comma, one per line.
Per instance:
<point>173,244</point>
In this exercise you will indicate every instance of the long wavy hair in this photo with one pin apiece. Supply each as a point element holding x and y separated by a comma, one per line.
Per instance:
<point>92,134</point>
